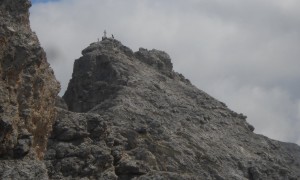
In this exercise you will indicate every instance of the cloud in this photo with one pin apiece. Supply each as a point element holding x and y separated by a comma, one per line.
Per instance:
<point>272,110</point>
<point>42,1</point>
<point>244,53</point>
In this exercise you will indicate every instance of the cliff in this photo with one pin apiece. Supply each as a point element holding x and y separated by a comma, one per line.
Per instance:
<point>27,94</point>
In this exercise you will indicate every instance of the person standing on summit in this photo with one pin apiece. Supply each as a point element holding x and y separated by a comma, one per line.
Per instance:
<point>104,36</point>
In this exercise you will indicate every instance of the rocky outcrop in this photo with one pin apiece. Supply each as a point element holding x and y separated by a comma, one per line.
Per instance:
<point>27,94</point>
<point>95,78</point>
<point>158,125</point>
<point>77,147</point>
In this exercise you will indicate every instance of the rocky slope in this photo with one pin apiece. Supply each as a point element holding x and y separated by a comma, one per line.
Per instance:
<point>27,95</point>
<point>125,115</point>
<point>135,118</point>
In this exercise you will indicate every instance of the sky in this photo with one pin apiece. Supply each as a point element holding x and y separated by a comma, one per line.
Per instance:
<point>34,2</point>
<point>245,53</point>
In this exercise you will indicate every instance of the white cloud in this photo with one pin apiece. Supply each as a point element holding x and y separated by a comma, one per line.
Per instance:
<point>271,110</point>
<point>244,53</point>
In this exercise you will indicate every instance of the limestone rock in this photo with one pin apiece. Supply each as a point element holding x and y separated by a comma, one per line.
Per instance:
<point>27,95</point>
<point>163,127</point>
<point>23,169</point>
<point>158,59</point>
<point>77,147</point>
<point>27,85</point>
<point>60,102</point>
<point>125,115</point>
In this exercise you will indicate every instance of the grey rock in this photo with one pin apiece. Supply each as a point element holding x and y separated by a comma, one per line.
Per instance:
<point>22,148</point>
<point>155,58</point>
<point>27,95</point>
<point>160,175</point>
<point>27,85</point>
<point>128,116</point>
<point>23,170</point>
<point>60,103</point>
<point>5,127</point>
<point>77,150</point>
<point>163,127</point>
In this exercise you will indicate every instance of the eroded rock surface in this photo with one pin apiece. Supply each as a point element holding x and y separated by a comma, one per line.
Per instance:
<point>163,127</point>
<point>77,147</point>
<point>27,94</point>
<point>27,86</point>
<point>125,115</point>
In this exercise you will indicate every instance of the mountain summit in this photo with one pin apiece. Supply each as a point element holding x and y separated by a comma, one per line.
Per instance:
<point>108,67</point>
<point>125,115</point>
<point>148,122</point>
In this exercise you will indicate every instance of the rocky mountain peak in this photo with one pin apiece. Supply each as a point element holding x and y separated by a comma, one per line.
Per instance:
<point>107,45</point>
<point>108,66</point>
<point>125,115</point>
<point>157,124</point>
<point>156,58</point>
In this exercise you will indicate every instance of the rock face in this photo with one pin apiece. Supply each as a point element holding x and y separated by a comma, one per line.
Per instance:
<point>138,119</point>
<point>125,115</point>
<point>27,95</point>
